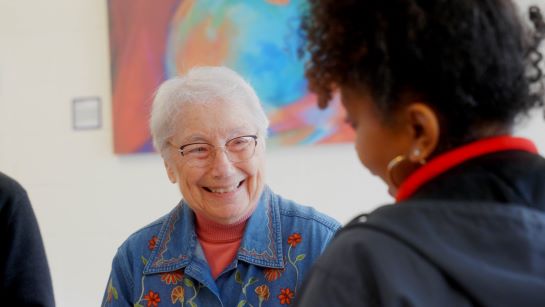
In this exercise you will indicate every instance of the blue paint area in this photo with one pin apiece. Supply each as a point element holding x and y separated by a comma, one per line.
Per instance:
<point>263,45</point>
<point>263,50</point>
<point>276,78</point>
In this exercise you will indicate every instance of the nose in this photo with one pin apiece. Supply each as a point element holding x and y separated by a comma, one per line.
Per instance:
<point>220,164</point>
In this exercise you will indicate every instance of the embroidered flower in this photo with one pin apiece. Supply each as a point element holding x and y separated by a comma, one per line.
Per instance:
<point>177,295</point>
<point>273,274</point>
<point>285,296</point>
<point>152,298</point>
<point>172,277</point>
<point>152,243</point>
<point>294,239</point>
<point>262,292</point>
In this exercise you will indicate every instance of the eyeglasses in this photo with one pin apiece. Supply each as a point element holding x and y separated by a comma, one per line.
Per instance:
<point>237,149</point>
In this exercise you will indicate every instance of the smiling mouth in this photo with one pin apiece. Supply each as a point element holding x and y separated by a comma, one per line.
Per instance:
<point>224,189</point>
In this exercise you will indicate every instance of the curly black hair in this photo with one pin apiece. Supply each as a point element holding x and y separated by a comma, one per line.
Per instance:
<point>475,62</point>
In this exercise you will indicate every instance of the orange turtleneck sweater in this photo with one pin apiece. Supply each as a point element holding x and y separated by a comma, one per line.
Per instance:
<point>219,242</point>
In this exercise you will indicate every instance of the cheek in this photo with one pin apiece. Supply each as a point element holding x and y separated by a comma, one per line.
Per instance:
<point>189,177</point>
<point>255,177</point>
<point>255,166</point>
<point>364,146</point>
<point>371,148</point>
<point>250,169</point>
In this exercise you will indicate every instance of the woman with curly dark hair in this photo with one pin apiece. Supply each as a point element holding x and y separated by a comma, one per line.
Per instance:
<point>433,89</point>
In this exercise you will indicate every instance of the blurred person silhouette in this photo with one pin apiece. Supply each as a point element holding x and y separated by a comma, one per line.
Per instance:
<point>24,272</point>
<point>433,90</point>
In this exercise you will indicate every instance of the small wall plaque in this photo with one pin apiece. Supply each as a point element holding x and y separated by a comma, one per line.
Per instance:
<point>86,113</point>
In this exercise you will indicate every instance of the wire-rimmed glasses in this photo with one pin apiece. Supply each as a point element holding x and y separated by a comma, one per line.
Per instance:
<point>239,149</point>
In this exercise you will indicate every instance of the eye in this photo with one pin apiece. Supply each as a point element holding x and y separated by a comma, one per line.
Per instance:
<point>238,143</point>
<point>199,149</point>
<point>196,150</point>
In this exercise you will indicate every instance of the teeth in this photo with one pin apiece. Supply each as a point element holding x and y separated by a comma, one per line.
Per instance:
<point>224,190</point>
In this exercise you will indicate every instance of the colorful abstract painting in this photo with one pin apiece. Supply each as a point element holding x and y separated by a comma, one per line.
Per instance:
<point>151,41</point>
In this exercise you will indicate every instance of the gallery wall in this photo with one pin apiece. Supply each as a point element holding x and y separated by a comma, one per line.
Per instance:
<point>87,199</point>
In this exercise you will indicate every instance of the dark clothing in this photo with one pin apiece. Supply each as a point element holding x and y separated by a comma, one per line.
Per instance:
<point>473,236</point>
<point>24,273</point>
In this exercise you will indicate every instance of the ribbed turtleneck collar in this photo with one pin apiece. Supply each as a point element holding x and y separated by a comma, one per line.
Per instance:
<point>213,232</point>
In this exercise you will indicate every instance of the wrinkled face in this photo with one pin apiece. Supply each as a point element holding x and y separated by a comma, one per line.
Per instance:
<point>223,191</point>
<point>377,141</point>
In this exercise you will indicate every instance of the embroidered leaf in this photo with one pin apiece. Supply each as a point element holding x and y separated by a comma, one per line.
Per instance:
<point>252,281</point>
<point>238,279</point>
<point>138,305</point>
<point>241,303</point>
<point>300,257</point>
<point>112,291</point>
<point>192,304</point>
<point>144,260</point>
<point>189,283</point>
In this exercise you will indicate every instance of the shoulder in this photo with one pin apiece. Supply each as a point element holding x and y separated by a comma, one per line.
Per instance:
<point>9,184</point>
<point>144,240</point>
<point>365,240</point>
<point>293,212</point>
<point>10,189</point>
<point>344,275</point>
<point>13,199</point>
<point>356,268</point>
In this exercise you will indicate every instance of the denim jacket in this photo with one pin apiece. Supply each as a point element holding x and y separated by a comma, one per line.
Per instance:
<point>163,264</point>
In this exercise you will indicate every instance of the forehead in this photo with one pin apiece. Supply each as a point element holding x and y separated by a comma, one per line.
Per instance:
<point>213,121</point>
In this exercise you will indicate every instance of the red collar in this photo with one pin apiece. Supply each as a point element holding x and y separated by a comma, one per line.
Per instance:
<point>450,159</point>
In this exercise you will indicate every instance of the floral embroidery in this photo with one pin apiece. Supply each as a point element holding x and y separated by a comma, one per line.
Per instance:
<point>172,277</point>
<point>294,239</point>
<point>188,282</point>
<point>262,293</point>
<point>137,304</point>
<point>152,243</point>
<point>152,298</point>
<point>238,280</point>
<point>273,274</point>
<point>177,295</point>
<point>283,251</point>
<point>285,296</point>
<point>112,292</point>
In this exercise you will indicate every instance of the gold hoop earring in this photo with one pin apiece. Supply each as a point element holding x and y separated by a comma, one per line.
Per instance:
<point>395,163</point>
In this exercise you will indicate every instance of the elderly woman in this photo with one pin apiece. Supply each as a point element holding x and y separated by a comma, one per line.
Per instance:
<point>433,89</point>
<point>231,241</point>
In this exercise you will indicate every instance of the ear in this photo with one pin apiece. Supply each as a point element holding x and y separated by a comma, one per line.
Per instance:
<point>425,130</point>
<point>170,172</point>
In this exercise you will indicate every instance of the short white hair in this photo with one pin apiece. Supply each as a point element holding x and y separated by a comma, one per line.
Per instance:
<point>201,85</point>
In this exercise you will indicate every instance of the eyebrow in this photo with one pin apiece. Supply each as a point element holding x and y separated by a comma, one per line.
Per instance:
<point>196,138</point>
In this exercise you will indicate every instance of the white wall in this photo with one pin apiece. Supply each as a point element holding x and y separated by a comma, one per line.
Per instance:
<point>87,199</point>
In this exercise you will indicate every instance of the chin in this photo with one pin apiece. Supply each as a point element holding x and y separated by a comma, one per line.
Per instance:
<point>392,191</point>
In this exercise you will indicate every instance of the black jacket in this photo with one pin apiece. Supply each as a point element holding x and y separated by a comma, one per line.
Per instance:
<point>474,236</point>
<point>24,273</point>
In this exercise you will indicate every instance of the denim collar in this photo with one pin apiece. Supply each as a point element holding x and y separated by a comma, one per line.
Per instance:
<point>261,244</point>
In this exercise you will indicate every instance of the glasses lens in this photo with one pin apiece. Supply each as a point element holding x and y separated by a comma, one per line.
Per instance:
<point>241,148</point>
<point>197,154</point>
